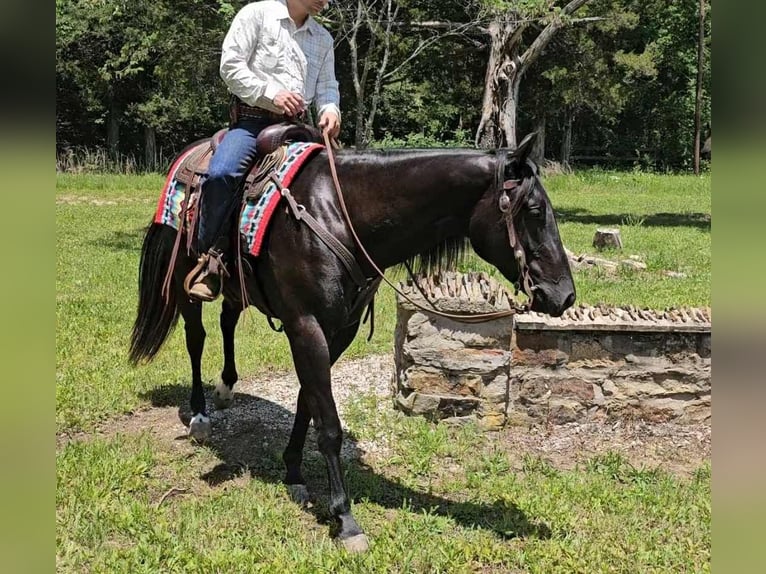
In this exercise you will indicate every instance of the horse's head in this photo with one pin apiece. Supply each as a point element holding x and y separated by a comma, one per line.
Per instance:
<point>513,228</point>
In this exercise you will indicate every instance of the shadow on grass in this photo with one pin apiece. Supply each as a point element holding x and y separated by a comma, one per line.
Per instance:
<point>578,215</point>
<point>170,395</point>
<point>121,240</point>
<point>250,436</point>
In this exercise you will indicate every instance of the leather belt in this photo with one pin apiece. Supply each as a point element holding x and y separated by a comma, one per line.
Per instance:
<point>239,110</point>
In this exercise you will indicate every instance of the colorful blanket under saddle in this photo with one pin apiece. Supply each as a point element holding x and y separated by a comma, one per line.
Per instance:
<point>256,214</point>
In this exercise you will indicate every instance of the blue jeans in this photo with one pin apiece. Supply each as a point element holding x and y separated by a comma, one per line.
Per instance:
<point>221,189</point>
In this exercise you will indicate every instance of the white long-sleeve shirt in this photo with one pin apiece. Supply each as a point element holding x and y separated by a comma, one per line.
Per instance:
<point>264,52</point>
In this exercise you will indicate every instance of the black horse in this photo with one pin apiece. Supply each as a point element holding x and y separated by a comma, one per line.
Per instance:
<point>405,206</point>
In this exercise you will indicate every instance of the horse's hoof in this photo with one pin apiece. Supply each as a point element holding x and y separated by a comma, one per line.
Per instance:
<point>200,428</point>
<point>222,396</point>
<point>300,494</point>
<point>355,544</point>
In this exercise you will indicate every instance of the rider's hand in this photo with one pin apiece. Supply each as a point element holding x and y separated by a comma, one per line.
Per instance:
<point>291,103</point>
<point>330,123</point>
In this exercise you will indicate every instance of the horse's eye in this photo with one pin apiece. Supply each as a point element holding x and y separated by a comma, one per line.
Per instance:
<point>535,212</point>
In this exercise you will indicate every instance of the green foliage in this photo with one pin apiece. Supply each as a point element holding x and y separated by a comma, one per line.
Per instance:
<point>658,116</point>
<point>517,8</point>
<point>126,72</point>
<point>143,64</point>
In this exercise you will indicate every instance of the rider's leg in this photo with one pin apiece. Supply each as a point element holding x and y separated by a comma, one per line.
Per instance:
<point>220,198</point>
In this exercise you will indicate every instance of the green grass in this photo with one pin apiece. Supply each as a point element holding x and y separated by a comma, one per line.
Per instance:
<point>662,219</point>
<point>445,500</point>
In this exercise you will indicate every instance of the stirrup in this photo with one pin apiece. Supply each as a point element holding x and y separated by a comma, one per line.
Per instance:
<point>210,263</point>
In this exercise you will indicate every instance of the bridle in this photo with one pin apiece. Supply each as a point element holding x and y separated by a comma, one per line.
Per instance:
<point>509,208</point>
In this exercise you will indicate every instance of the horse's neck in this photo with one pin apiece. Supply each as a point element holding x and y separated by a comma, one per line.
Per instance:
<point>418,186</point>
<point>405,206</point>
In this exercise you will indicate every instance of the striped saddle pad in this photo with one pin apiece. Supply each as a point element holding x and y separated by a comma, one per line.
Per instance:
<point>256,212</point>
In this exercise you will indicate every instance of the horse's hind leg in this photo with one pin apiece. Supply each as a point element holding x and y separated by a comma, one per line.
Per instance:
<point>224,390</point>
<point>199,427</point>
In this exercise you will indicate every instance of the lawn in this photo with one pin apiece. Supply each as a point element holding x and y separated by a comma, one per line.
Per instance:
<point>493,512</point>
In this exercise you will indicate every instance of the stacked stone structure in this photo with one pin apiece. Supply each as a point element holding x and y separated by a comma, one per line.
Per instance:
<point>446,370</point>
<point>593,362</point>
<point>598,362</point>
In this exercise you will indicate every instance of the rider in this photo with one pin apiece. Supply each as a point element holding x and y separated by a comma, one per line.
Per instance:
<point>276,60</point>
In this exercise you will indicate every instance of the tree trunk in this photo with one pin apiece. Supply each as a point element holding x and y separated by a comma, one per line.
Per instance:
<point>538,150</point>
<point>566,141</point>
<point>698,97</point>
<point>358,76</point>
<point>150,148</point>
<point>510,112</point>
<point>486,134</point>
<point>359,131</point>
<point>113,131</point>
<point>501,88</point>
<point>391,14</point>
<point>505,69</point>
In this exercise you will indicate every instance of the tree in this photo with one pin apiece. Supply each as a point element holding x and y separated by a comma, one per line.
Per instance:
<point>700,81</point>
<point>144,67</point>
<point>511,21</point>
<point>625,78</point>
<point>367,26</point>
<point>587,71</point>
<point>382,49</point>
<point>658,116</point>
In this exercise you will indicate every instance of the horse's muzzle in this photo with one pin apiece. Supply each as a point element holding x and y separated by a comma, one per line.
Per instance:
<point>553,302</point>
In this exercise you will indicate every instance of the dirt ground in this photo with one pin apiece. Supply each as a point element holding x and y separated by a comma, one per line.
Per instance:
<point>254,430</point>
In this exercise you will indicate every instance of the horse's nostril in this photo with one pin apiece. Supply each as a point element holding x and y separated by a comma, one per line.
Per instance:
<point>570,300</point>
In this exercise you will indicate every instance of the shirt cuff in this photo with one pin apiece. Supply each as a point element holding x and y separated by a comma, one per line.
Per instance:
<point>329,108</point>
<point>271,91</point>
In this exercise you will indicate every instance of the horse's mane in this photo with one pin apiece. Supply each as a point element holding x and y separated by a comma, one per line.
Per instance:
<point>452,251</point>
<point>446,255</point>
<point>443,257</point>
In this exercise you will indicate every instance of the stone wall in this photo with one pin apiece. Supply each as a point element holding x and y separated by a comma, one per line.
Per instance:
<point>533,369</point>
<point>564,371</point>
<point>446,370</point>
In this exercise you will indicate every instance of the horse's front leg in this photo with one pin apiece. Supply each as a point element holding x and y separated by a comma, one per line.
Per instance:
<point>293,455</point>
<point>224,390</point>
<point>312,364</point>
<point>199,426</point>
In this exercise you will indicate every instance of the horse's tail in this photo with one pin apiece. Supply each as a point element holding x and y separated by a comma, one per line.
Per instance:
<point>156,316</point>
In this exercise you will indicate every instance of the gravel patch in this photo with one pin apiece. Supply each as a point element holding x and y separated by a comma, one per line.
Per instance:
<point>277,394</point>
<point>257,426</point>
<point>73,199</point>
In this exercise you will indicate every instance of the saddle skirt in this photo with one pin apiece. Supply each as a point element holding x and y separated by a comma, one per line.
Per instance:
<point>180,195</point>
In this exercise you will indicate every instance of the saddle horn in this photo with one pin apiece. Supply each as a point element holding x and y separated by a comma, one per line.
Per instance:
<point>271,137</point>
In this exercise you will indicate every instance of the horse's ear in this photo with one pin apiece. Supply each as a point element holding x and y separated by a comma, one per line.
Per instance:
<point>522,151</point>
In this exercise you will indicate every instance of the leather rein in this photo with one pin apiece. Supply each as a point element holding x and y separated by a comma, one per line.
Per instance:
<point>507,207</point>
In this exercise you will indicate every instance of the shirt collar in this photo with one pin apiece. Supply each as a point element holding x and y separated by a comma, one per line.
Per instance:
<point>308,25</point>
